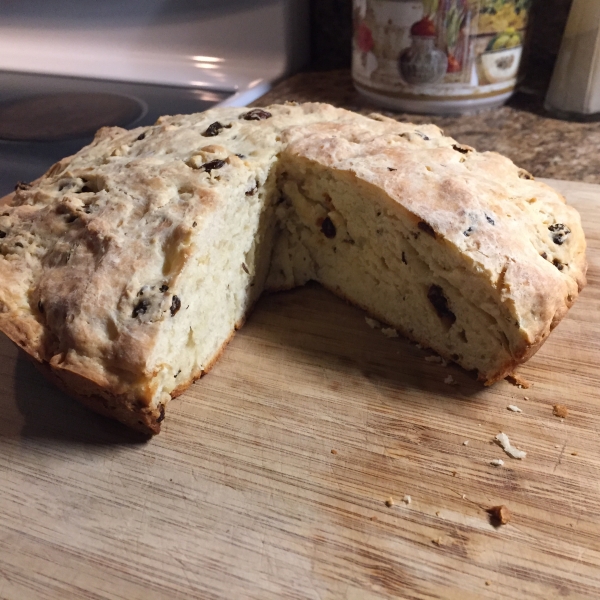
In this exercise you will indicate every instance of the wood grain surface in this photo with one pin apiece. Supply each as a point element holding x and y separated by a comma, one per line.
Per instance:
<point>271,475</point>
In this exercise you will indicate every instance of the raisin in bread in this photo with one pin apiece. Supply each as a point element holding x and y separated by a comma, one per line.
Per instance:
<point>127,267</point>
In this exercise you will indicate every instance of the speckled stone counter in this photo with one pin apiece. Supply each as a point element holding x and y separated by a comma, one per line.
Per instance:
<point>545,146</point>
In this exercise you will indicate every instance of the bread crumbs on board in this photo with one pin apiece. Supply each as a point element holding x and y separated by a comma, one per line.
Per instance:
<point>499,515</point>
<point>559,410</point>
<point>436,359</point>
<point>373,323</point>
<point>518,381</point>
<point>389,332</point>
<point>513,452</point>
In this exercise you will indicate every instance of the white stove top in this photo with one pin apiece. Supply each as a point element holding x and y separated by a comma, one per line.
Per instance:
<point>229,45</point>
<point>154,56</point>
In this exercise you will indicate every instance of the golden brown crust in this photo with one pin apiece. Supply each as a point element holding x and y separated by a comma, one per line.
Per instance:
<point>141,419</point>
<point>24,334</point>
<point>73,277</point>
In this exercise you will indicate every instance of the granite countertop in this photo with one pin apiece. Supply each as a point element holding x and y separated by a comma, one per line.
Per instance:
<point>521,130</point>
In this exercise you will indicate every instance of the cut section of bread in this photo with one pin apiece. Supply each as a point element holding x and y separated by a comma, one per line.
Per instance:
<point>127,267</point>
<point>451,247</point>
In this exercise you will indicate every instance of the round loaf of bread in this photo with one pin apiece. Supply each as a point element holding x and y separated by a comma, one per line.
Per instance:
<point>127,267</point>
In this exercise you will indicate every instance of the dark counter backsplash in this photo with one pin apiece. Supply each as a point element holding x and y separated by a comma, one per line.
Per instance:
<point>332,33</point>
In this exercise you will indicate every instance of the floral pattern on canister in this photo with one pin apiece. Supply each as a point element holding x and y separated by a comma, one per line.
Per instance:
<point>438,49</point>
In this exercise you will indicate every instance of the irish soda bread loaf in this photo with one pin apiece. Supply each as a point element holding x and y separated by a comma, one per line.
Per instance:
<point>127,267</point>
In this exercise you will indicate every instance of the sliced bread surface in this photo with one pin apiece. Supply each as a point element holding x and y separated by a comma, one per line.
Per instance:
<point>459,250</point>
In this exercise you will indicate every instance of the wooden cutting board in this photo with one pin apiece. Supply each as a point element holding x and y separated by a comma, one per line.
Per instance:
<point>271,475</point>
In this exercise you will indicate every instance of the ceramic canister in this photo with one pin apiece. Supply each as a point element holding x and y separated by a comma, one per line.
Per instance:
<point>438,56</point>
